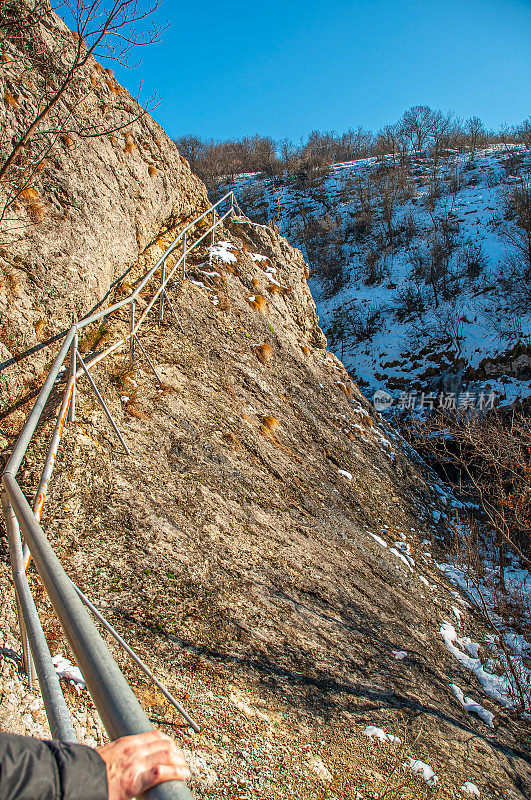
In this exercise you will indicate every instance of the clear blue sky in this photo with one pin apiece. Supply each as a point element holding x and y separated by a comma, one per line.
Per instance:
<point>284,67</point>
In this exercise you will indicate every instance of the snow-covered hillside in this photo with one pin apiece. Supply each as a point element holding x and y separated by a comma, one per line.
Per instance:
<point>413,270</point>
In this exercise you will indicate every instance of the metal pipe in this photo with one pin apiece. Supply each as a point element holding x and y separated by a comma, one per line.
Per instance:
<point>132,330</point>
<point>174,313</point>
<point>96,359</point>
<point>117,705</point>
<point>163,285</point>
<point>115,306</point>
<point>150,362</point>
<point>40,495</point>
<point>26,655</point>
<point>61,726</point>
<point>73,348</point>
<point>31,423</point>
<point>131,653</point>
<point>11,521</point>
<point>74,372</point>
<point>103,404</point>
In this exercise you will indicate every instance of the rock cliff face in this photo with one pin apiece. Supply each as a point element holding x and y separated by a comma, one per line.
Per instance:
<point>268,547</point>
<point>101,201</point>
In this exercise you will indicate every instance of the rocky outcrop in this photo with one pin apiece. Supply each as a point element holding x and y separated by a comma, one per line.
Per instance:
<point>101,201</point>
<point>268,549</point>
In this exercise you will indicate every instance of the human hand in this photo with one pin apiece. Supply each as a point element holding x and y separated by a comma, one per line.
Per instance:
<point>136,763</point>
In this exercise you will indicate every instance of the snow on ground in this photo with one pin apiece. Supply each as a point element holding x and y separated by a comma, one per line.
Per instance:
<point>515,648</point>
<point>470,788</point>
<point>68,671</point>
<point>402,558</point>
<point>222,251</point>
<point>399,654</point>
<point>410,353</point>
<point>497,687</point>
<point>345,474</point>
<point>378,539</point>
<point>472,707</point>
<point>423,770</point>
<point>378,733</point>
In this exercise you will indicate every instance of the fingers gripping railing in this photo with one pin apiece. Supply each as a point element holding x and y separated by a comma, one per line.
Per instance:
<point>120,711</point>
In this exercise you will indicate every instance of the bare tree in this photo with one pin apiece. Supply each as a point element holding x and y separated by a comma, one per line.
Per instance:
<point>475,133</point>
<point>523,133</point>
<point>48,82</point>
<point>422,127</point>
<point>490,455</point>
<point>516,230</point>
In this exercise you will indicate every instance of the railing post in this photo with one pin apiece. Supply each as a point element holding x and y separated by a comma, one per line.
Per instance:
<point>232,205</point>
<point>132,329</point>
<point>118,707</point>
<point>56,710</point>
<point>103,403</point>
<point>185,238</point>
<point>162,280</point>
<point>13,535</point>
<point>73,368</point>
<point>213,226</point>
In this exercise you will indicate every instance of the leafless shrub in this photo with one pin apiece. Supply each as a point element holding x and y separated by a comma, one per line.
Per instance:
<point>473,260</point>
<point>411,300</point>
<point>491,455</point>
<point>516,231</point>
<point>323,242</point>
<point>354,323</point>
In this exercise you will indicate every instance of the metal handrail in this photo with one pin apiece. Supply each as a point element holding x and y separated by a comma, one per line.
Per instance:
<point>117,705</point>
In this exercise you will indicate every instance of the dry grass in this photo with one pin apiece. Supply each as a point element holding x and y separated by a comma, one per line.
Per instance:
<point>132,409</point>
<point>95,337</point>
<point>269,426</point>
<point>11,100</point>
<point>347,389</point>
<point>259,304</point>
<point>29,194</point>
<point>223,303</point>
<point>264,353</point>
<point>124,288</point>
<point>36,211</point>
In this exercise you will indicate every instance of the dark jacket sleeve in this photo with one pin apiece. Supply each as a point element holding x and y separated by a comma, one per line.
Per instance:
<point>32,769</point>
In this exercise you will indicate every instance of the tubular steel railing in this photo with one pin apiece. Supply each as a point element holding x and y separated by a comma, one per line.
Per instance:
<point>118,707</point>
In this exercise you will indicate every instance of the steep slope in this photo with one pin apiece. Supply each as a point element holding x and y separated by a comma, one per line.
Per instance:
<point>274,574</point>
<point>408,267</point>
<point>269,547</point>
